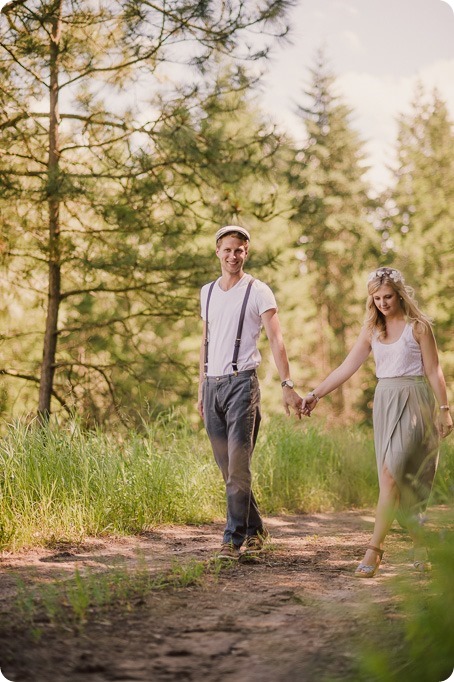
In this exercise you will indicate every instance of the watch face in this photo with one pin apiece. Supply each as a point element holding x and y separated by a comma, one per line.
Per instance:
<point>288,383</point>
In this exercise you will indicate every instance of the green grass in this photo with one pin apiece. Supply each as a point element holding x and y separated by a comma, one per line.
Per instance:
<point>62,483</point>
<point>65,483</point>
<point>301,467</point>
<point>423,648</point>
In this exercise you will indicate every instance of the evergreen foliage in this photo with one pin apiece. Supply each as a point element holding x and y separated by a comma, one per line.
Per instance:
<point>423,202</point>
<point>116,167</point>
<point>416,212</point>
<point>330,210</point>
<point>109,177</point>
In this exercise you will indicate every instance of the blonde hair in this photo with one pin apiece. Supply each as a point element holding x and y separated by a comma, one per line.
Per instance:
<point>375,320</point>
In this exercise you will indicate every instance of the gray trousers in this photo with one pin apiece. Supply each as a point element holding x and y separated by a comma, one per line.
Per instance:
<point>231,408</point>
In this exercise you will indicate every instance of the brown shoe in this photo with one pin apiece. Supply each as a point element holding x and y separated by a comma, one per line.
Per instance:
<point>229,552</point>
<point>255,544</point>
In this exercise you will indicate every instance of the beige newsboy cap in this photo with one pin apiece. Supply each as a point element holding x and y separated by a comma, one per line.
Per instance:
<point>232,228</point>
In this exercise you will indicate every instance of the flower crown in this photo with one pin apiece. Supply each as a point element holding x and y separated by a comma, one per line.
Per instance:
<point>390,273</point>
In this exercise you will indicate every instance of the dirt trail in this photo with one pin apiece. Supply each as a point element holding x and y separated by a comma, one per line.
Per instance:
<point>298,615</point>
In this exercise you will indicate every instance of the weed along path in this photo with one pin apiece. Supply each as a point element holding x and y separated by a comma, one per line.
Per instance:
<point>156,608</point>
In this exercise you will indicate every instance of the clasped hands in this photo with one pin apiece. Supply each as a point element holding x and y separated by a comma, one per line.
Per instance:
<point>300,406</point>
<point>308,404</point>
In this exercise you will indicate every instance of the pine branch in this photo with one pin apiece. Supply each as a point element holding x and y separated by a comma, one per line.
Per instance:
<point>36,380</point>
<point>12,5</point>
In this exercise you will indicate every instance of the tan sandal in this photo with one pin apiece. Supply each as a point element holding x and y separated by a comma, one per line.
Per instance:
<point>367,571</point>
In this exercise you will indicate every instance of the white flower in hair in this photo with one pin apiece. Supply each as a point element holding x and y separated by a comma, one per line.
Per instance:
<point>372,276</point>
<point>395,275</point>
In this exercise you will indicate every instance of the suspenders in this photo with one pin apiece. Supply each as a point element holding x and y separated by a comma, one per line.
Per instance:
<point>205,363</point>
<point>236,348</point>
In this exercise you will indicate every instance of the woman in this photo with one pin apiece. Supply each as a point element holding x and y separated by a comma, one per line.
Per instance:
<point>407,425</point>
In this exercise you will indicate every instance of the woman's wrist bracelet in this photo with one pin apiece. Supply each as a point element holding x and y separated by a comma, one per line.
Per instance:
<point>444,407</point>
<point>312,394</point>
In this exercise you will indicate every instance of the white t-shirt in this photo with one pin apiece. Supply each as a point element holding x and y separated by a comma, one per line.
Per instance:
<point>224,315</point>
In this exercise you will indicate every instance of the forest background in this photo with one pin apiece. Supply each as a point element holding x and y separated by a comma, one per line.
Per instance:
<point>130,132</point>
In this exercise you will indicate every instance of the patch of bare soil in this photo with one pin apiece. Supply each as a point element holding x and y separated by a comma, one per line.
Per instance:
<point>297,615</point>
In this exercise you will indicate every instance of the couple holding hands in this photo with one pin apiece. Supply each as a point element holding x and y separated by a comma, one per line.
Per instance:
<point>410,411</point>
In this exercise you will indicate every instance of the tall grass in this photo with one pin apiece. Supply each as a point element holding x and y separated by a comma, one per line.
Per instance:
<point>302,467</point>
<point>63,482</point>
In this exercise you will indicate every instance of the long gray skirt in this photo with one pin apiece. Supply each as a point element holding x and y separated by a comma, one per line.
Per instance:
<point>406,438</point>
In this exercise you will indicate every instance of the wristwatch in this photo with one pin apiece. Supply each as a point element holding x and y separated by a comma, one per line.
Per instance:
<point>288,382</point>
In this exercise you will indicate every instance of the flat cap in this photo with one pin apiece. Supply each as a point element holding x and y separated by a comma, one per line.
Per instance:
<point>232,228</point>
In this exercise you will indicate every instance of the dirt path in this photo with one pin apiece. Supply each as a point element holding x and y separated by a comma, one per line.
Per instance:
<point>298,615</point>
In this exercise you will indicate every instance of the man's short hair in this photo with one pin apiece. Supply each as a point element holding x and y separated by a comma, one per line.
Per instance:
<point>234,230</point>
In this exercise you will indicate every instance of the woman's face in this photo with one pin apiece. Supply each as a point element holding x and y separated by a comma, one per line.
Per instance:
<point>387,301</point>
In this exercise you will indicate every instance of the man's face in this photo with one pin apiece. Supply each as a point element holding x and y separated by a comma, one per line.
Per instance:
<point>232,252</point>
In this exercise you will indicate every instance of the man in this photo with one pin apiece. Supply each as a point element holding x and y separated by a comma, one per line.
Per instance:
<point>234,308</point>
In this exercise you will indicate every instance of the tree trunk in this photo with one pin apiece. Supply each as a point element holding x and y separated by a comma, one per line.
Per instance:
<point>53,198</point>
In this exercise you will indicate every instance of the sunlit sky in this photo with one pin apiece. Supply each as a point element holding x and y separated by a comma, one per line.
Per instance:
<point>378,49</point>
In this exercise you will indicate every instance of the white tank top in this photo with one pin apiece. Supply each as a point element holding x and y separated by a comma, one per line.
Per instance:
<point>399,359</point>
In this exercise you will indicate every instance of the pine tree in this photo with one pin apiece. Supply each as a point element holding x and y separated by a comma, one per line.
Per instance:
<point>422,196</point>
<point>106,185</point>
<point>330,210</point>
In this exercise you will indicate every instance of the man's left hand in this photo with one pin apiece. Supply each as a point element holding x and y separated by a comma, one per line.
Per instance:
<point>291,400</point>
